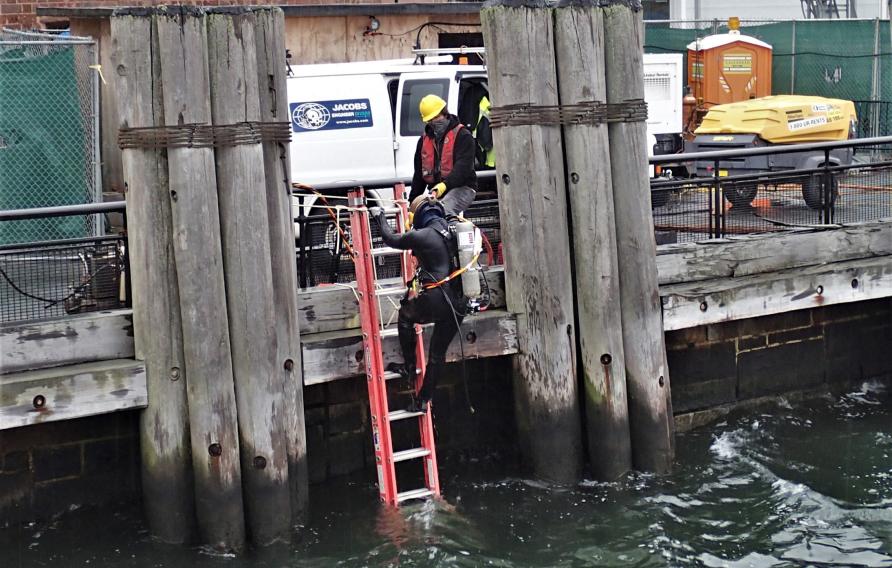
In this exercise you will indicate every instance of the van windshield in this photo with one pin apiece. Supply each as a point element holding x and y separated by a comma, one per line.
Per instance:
<point>413,92</point>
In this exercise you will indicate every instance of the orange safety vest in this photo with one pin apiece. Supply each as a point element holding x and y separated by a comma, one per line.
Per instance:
<point>429,168</point>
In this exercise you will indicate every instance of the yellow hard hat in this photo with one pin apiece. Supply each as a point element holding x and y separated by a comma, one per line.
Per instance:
<point>430,106</point>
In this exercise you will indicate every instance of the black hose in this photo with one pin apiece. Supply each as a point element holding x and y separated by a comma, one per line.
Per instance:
<point>52,302</point>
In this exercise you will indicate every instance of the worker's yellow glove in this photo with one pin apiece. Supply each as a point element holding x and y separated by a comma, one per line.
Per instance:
<point>439,189</point>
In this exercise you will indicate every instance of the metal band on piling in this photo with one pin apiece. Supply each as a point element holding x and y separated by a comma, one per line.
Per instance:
<point>203,135</point>
<point>588,112</point>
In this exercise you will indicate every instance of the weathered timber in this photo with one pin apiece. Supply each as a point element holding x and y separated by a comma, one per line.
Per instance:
<point>336,355</point>
<point>164,425</point>
<point>579,47</point>
<point>647,374</point>
<point>241,188</point>
<point>725,299</point>
<point>196,226</point>
<point>534,223</point>
<point>272,93</point>
<point>333,308</point>
<point>78,339</point>
<point>755,254</point>
<point>73,391</point>
<point>488,334</point>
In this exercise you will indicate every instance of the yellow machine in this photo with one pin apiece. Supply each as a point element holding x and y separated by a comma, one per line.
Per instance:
<point>783,119</point>
<point>771,121</point>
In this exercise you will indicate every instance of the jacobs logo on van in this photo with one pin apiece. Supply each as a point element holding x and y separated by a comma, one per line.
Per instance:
<point>350,106</point>
<point>311,116</point>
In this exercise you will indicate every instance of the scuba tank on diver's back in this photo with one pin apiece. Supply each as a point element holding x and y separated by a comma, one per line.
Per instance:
<point>464,242</point>
<point>469,244</point>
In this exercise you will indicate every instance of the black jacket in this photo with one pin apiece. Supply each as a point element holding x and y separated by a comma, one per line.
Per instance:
<point>463,154</point>
<point>427,244</point>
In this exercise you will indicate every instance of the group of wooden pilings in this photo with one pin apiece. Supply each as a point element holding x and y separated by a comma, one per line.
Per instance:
<point>580,252</point>
<point>214,281</point>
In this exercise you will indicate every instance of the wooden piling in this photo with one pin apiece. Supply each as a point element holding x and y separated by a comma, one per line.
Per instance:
<point>164,424</point>
<point>272,91</point>
<point>533,207</point>
<point>241,188</point>
<point>196,227</point>
<point>647,376</point>
<point>579,47</point>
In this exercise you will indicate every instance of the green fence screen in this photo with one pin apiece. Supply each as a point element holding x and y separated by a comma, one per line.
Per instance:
<point>46,142</point>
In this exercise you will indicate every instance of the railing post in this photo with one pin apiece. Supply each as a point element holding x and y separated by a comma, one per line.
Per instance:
<point>827,189</point>
<point>128,287</point>
<point>793,59</point>
<point>302,257</point>
<point>715,203</point>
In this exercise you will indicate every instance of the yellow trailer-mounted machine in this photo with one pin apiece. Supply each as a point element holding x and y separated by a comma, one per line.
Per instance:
<point>770,121</point>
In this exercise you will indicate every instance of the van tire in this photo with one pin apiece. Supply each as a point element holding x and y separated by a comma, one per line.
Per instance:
<point>813,190</point>
<point>741,194</point>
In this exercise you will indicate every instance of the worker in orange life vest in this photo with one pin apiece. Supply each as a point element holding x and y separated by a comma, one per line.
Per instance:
<point>444,158</point>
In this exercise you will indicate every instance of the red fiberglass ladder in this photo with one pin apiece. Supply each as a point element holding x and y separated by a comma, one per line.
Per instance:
<point>370,316</point>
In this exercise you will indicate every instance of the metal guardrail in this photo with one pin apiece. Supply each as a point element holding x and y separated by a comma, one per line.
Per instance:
<point>62,211</point>
<point>384,182</point>
<point>768,150</point>
<point>697,208</point>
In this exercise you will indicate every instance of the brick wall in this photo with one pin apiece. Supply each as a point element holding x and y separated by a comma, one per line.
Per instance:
<point>337,414</point>
<point>807,349</point>
<point>22,13</point>
<point>48,468</point>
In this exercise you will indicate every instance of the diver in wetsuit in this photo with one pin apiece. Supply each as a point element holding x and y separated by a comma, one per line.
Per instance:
<point>440,303</point>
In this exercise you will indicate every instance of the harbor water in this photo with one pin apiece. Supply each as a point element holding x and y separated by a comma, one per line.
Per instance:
<point>789,484</point>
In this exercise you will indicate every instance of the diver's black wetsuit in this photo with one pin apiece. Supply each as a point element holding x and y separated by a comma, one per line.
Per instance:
<point>443,306</point>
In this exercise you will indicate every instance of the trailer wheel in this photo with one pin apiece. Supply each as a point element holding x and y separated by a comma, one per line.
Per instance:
<point>813,190</point>
<point>741,194</point>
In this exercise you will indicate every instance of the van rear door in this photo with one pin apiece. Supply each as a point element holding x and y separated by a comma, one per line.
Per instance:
<point>412,88</point>
<point>342,128</point>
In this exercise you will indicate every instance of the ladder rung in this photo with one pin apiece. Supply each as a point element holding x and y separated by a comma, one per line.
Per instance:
<point>392,291</point>
<point>390,376</point>
<point>412,454</point>
<point>413,494</point>
<point>383,251</point>
<point>390,332</point>
<point>402,415</point>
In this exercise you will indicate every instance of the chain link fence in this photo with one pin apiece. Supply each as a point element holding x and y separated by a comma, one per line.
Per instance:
<point>49,133</point>
<point>843,59</point>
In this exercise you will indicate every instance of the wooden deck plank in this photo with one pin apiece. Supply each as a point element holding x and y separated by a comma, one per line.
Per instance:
<point>725,299</point>
<point>77,339</point>
<point>73,391</point>
<point>335,355</point>
<point>763,253</point>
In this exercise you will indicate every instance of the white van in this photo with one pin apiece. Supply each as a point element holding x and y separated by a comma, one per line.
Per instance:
<point>358,123</point>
